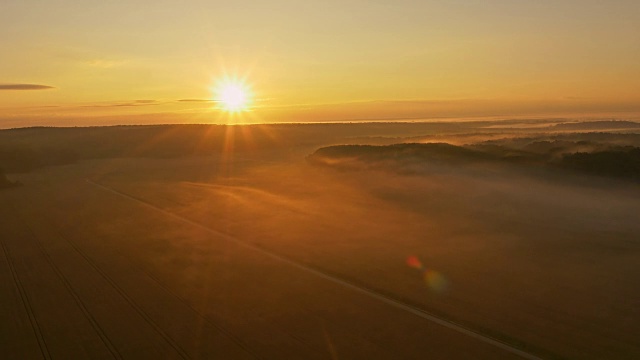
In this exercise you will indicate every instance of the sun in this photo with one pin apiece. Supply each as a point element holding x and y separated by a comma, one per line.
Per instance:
<point>233,96</point>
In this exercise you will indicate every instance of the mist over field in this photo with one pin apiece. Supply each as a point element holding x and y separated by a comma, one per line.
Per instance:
<point>337,179</point>
<point>383,240</point>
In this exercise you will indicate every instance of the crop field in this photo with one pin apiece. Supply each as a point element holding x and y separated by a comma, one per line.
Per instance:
<point>236,256</point>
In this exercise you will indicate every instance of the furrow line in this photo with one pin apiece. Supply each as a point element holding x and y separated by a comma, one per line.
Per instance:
<point>182,300</point>
<point>345,283</point>
<point>131,302</point>
<point>42,344</point>
<point>76,297</point>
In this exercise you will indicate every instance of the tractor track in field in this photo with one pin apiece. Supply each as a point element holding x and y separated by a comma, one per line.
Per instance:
<point>147,318</point>
<point>184,302</point>
<point>74,294</point>
<point>35,325</point>
<point>118,289</point>
<point>131,302</point>
<point>389,300</point>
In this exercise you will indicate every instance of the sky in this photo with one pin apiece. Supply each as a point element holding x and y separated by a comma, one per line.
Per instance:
<point>88,62</point>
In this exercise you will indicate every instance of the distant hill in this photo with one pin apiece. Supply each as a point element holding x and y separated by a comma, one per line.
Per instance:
<point>408,157</point>
<point>428,151</point>
<point>622,162</point>
<point>26,149</point>
<point>598,125</point>
<point>30,148</point>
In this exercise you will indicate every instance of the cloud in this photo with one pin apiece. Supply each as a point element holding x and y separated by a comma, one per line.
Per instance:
<point>25,87</point>
<point>196,100</point>
<point>125,104</point>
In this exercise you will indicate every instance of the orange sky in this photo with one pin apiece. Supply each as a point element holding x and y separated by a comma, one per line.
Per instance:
<point>104,62</point>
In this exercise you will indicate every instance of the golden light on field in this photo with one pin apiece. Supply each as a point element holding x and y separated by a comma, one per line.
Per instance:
<point>233,95</point>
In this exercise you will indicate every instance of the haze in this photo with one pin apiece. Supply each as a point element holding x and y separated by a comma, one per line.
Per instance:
<point>319,179</point>
<point>137,61</point>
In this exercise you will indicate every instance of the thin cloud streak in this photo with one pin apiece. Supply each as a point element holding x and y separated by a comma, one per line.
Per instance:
<point>125,104</point>
<point>196,100</point>
<point>25,87</point>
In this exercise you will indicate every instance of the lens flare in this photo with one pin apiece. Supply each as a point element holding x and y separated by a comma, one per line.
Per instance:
<point>435,281</point>
<point>414,262</point>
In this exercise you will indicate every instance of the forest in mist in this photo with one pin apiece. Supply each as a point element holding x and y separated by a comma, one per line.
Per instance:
<point>608,148</point>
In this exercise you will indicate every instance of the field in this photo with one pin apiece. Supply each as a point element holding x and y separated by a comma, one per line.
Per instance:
<point>282,243</point>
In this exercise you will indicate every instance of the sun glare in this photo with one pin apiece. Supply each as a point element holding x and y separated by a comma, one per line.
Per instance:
<point>233,96</point>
